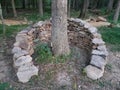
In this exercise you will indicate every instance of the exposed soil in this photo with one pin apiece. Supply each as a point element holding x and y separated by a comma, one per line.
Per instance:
<point>62,76</point>
<point>10,22</point>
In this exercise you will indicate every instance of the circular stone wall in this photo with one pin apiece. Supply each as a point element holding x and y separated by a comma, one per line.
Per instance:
<point>80,34</point>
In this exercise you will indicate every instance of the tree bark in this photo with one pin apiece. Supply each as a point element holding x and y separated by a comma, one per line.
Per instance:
<point>14,9</point>
<point>117,11</point>
<point>40,7</point>
<point>59,38</point>
<point>110,5</point>
<point>2,19</point>
<point>84,9</point>
<point>69,7</point>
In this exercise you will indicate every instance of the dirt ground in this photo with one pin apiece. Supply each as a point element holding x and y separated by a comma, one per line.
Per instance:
<point>10,22</point>
<point>67,76</point>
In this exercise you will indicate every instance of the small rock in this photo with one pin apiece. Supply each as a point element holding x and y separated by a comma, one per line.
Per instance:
<point>98,61</point>
<point>23,60</point>
<point>16,50</point>
<point>93,72</point>
<point>87,25</point>
<point>31,51</point>
<point>25,72</point>
<point>23,31</point>
<point>92,30</point>
<point>96,35</point>
<point>19,54</point>
<point>31,32</point>
<point>102,48</point>
<point>38,24</point>
<point>97,52</point>
<point>24,45</point>
<point>16,44</point>
<point>98,41</point>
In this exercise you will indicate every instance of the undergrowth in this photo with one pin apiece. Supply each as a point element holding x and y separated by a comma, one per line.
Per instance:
<point>44,55</point>
<point>111,36</point>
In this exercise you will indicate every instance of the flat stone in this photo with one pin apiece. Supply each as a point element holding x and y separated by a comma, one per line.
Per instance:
<point>16,50</point>
<point>23,60</point>
<point>92,30</point>
<point>98,41</point>
<point>23,31</point>
<point>38,24</point>
<point>24,45</point>
<point>31,31</point>
<point>97,52</point>
<point>102,48</point>
<point>96,35</point>
<point>94,72</point>
<point>21,37</point>
<point>98,61</point>
<point>16,44</point>
<point>19,54</point>
<point>87,25</point>
<point>25,72</point>
<point>31,51</point>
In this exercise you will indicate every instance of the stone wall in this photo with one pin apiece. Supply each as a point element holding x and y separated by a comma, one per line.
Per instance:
<point>80,34</point>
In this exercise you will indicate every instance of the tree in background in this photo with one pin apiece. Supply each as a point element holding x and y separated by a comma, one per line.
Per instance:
<point>117,12</point>
<point>110,5</point>
<point>40,5</point>
<point>13,7</point>
<point>59,38</point>
<point>84,9</point>
<point>69,7</point>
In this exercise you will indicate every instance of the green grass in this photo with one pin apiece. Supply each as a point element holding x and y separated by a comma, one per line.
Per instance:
<point>44,55</point>
<point>5,86</point>
<point>11,29</point>
<point>111,36</point>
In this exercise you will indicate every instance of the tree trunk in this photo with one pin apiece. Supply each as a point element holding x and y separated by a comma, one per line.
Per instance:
<point>117,11</point>
<point>14,9</point>
<point>84,9</point>
<point>110,5</point>
<point>69,7</point>
<point>59,38</point>
<point>40,7</point>
<point>1,16</point>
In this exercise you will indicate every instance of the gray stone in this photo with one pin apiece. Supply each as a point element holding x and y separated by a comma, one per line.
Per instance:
<point>94,72</point>
<point>16,50</point>
<point>21,37</point>
<point>19,54</point>
<point>87,25</point>
<point>23,60</point>
<point>98,41</point>
<point>98,61</point>
<point>92,30</point>
<point>25,72</point>
<point>97,52</point>
<point>38,24</point>
<point>102,48</point>
<point>96,35</point>
<point>16,44</point>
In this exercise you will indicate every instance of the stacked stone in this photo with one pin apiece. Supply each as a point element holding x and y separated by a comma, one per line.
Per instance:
<point>99,52</point>
<point>80,33</point>
<point>23,49</point>
<point>79,36</point>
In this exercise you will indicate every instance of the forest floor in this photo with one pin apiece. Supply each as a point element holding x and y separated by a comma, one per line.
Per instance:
<point>71,73</point>
<point>51,76</point>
